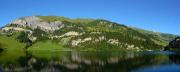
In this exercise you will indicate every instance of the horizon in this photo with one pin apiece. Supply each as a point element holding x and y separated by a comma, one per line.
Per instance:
<point>153,15</point>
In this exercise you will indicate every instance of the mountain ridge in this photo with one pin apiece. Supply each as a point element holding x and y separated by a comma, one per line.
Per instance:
<point>82,34</point>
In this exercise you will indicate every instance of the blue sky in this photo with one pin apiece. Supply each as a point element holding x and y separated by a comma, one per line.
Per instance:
<point>156,15</point>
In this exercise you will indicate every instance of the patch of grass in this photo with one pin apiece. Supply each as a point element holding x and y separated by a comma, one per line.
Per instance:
<point>64,19</point>
<point>53,18</point>
<point>48,46</point>
<point>13,49</point>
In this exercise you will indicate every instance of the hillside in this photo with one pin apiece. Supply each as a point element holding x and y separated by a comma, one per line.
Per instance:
<point>65,34</point>
<point>160,38</point>
<point>174,45</point>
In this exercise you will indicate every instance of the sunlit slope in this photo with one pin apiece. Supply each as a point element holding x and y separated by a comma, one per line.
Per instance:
<point>13,49</point>
<point>60,33</point>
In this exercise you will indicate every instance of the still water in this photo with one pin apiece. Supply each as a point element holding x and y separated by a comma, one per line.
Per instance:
<point>46,61</point>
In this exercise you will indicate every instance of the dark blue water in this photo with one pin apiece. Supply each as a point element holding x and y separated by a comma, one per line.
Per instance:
<point>45,61</point>
<point>170,65</point>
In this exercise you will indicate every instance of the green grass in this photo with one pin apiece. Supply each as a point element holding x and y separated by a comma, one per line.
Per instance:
<point>57,18</point>
<point>13,49</point>
<point>53,18</point>
<point>48,46</point>
<point>47,49</point>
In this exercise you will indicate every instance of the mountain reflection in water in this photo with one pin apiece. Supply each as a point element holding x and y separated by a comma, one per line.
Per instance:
<point>46,61</point>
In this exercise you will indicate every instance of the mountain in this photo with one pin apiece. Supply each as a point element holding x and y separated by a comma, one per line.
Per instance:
<point>65,34</point>
<point>160,38</point>
<point>173,45</point>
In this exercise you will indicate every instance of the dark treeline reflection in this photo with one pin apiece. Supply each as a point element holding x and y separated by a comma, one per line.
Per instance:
<point>43,61</point>
<point>175,58</point>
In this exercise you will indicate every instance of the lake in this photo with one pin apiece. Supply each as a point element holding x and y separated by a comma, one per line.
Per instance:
<point>59,61</point>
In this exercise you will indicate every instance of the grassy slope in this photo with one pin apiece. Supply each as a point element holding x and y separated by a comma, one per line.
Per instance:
<point>13,49</point>
<point>47,45</point>
<point>109,29</point>
<point>50,46</point>
<point>159,38</point>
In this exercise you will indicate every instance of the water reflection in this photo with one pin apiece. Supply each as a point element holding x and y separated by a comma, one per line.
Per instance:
<point>172,65</point>
<point>175,58</point>
<point>46,61</point>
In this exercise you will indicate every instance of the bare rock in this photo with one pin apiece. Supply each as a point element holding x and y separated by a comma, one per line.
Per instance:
<point>34,22</point>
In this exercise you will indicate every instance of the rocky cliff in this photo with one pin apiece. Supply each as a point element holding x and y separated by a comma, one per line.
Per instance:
<point>33,22</point>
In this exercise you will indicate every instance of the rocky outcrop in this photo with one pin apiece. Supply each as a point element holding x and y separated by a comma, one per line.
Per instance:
<point>113,41</point>
<point>34,22</point>
<point>76,42</point>
<point>174,44</point>
<point>12,28</point>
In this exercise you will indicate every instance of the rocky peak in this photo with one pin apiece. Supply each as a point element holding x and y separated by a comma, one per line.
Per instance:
<point>34,22</point>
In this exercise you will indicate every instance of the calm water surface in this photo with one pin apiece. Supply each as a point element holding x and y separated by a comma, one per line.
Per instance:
<point>45,61</point>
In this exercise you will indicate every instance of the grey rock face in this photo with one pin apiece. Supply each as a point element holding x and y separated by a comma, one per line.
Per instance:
<point>34,22</point>
<point>19,22</point>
